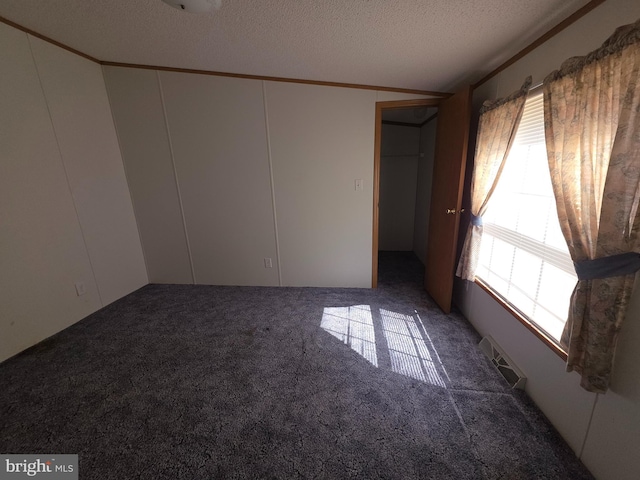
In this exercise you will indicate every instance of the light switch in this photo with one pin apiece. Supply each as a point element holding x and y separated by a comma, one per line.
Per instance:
<point>358,184</point>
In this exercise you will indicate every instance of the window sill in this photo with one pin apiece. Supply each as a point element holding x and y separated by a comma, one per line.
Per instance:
<point>524,321</point>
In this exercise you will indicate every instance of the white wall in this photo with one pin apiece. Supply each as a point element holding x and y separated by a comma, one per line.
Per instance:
<point>219,140</point>
<point>79,109</point>
<point>398,181</point>
<point>321,141</point>
<point>225,172</point>
<point>608,441</point>
<point>65,210</point>
<point>423,192</point>
<point>142,132</point>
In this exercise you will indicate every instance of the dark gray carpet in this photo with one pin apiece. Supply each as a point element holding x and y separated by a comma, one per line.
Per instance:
<point>200,382</point>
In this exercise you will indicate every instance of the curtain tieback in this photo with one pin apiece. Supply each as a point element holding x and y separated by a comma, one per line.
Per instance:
<point>611,266</point>
<point>476,221</point>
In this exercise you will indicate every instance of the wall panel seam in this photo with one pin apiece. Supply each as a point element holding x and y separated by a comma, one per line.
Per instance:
<point>175,177</point>
<point>586,433</point>
<point>126,175</point>
<point>66,174</point>
<point>273,188</point>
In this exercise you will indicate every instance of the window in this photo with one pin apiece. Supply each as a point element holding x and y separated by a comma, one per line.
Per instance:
<point>523,256</point>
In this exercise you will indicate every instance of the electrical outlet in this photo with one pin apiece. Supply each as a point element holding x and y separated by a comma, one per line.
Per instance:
<point>80,288</point>
<point>267,263</point>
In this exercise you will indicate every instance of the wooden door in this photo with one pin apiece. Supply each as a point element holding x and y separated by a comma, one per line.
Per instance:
<point>452,136</point>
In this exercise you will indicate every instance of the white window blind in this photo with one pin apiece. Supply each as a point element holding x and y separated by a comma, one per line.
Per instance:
<point>523,256</point>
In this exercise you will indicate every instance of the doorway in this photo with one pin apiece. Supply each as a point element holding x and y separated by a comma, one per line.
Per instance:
<point>452,135</point>
<point>403,172</point>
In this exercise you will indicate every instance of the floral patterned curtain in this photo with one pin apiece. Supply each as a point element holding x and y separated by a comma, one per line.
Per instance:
<point>497,128</point>
<point>592,129</point>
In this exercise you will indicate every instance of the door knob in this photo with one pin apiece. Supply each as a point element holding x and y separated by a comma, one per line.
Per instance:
<point>451,211</point>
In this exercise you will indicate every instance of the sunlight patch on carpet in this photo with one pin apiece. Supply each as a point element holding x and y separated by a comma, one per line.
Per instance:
<point>406,348</point>
<point>354,326</point>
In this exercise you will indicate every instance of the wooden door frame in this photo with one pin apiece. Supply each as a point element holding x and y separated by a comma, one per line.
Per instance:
<point>380,106</point>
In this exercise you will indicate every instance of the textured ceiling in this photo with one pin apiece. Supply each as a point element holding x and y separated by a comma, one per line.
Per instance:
<point>433,45</point>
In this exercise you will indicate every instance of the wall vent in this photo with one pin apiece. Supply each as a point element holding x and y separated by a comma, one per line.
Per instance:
<point>504,364</point>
